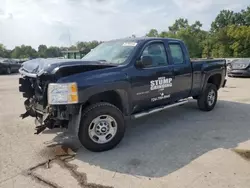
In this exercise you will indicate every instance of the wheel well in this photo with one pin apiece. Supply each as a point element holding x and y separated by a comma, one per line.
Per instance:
<point>111,97</point>
<point>215,79</point>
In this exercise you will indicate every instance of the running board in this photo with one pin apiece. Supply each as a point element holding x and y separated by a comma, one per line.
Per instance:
<point>158,109</point>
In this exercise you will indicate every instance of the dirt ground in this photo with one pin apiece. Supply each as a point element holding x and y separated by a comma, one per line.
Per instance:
<point>181,147</point>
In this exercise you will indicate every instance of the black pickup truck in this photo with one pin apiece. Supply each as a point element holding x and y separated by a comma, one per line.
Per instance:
<point>118,80</point>
<point>8,66</point>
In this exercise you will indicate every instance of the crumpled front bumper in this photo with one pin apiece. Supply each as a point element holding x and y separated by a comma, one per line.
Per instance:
<point>48,116</point>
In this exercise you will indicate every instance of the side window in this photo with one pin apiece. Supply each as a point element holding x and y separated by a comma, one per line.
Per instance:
<point>158,54</point>
<point>176,53</point>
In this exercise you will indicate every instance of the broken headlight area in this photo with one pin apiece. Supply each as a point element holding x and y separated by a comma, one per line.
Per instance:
<point>37,105</point>
<point>35,88</point>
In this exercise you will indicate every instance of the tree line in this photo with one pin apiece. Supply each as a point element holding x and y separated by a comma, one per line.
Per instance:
<point>43,51</point>
<point>229,36</point>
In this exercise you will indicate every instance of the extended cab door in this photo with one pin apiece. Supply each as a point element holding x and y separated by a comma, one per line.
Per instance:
<point>182,70</point>
<point>152,85</point>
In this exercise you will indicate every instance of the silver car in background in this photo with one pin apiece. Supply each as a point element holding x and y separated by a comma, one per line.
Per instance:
<point>239,67</point>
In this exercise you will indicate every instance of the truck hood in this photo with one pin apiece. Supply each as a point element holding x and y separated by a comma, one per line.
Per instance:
<point>37,67</point>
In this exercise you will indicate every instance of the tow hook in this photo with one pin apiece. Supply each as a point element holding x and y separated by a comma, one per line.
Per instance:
<point>24,115</point>
<point>41,124</point>
<point>40,129</point>
<point>29,109</point>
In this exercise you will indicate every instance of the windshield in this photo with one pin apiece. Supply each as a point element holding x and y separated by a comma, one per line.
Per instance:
<point>115,52</point>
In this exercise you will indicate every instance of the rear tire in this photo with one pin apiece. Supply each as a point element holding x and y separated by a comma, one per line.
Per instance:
<point>102,127</point>
<point>208,99</point>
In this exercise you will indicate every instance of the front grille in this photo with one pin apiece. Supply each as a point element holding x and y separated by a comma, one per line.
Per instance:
<point>34,88</point>
<point>25,87</point>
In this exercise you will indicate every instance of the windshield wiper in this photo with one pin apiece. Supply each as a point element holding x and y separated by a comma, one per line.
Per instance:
<point>102,60</point>
<point>105,61</point>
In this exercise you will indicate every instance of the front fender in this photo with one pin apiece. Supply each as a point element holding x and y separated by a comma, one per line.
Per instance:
<point>122,88</point>
<point>99,81</point>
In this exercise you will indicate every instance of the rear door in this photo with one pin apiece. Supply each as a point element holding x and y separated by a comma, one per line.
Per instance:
<point>182,70</point>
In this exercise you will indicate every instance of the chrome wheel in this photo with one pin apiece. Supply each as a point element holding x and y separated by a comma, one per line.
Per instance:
<point>211,98</point>
<point>102,129</point>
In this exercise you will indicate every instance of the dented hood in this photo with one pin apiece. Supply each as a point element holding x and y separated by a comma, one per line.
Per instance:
<point>37,67</point>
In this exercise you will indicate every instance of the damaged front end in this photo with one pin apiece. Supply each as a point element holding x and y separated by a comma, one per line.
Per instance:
<point>34,91</point>
<point>53,104</point>
<point>39,103</point>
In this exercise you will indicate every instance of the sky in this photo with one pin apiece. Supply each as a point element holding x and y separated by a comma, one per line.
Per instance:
<point>64,22</point>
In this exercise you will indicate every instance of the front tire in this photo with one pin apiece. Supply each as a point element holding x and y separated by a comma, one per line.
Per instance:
<point>208,99</point>
<point>102,127</point>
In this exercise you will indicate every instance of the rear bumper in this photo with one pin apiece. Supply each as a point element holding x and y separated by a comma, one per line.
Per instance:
<point>242,73</point>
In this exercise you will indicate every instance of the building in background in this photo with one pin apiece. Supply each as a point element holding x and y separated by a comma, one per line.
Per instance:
<point>73,54</point>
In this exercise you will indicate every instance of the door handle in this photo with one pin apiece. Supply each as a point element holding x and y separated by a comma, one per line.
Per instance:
<point>168,74</point>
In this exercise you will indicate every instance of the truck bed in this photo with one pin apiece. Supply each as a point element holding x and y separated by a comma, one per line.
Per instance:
<point>209,62</point>
<point>205,59</point>
<point>201,67</point>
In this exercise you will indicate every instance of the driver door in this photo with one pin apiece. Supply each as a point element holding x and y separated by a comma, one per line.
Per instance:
<point>152,85</point>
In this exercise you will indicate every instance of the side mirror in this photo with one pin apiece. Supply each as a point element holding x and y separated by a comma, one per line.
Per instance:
<point>145,61</point>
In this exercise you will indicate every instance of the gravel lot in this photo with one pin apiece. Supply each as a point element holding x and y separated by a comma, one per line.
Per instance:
<point>152,149</point>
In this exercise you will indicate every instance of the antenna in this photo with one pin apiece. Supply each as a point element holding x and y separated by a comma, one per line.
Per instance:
<point>69,37</point>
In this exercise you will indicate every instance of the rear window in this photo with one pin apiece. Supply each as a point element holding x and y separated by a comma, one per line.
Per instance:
<point>176,53</point>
